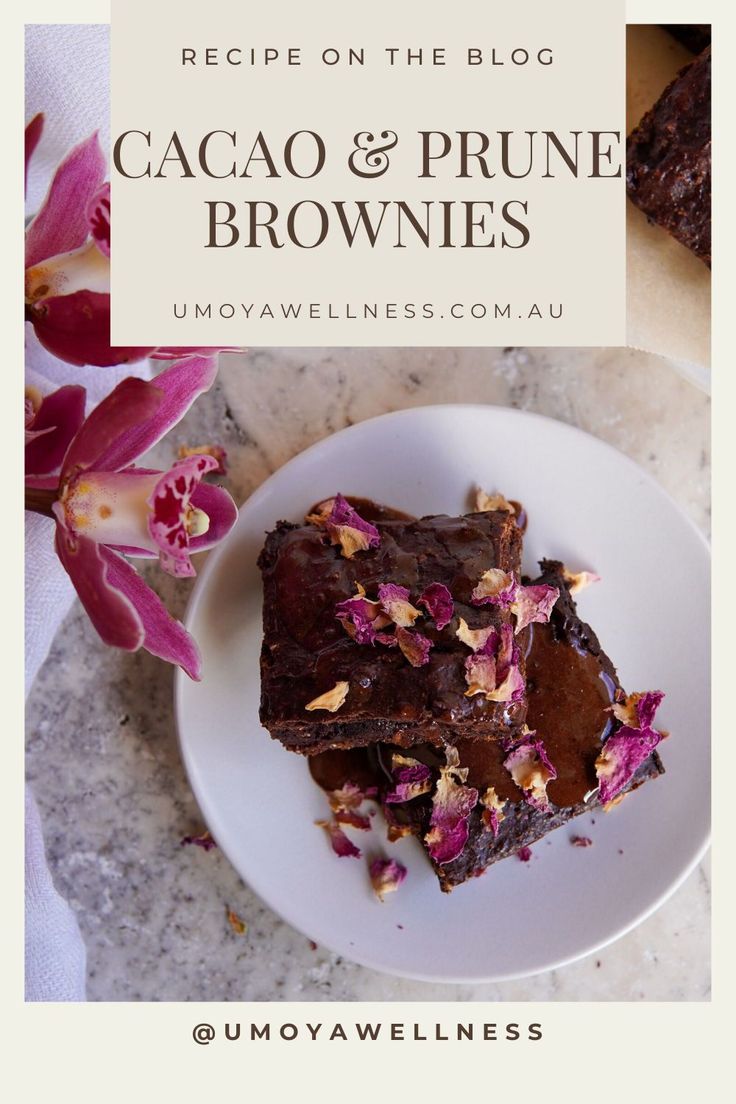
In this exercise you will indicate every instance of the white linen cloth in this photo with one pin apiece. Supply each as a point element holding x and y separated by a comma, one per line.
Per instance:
<point>67,78</point>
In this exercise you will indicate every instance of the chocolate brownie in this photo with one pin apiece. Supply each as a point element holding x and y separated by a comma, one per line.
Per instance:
<point>307,650</point>
<point>668,163</point>
<point>693,36</point>
<point>571,687</point>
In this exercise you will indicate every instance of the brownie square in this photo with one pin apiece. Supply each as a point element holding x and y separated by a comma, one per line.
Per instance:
<point>306,650</point>
<point>571,684</point>
<point>668,164</point>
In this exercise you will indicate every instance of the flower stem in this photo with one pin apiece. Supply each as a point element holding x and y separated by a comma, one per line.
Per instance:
<point>40,500</point>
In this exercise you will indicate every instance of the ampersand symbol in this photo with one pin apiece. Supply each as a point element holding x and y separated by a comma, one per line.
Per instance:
<point>374,160</point>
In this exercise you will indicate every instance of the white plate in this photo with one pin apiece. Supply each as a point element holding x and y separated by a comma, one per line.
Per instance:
<point>589,506</point>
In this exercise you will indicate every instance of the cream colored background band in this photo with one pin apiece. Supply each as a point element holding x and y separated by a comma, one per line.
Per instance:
<point>566,286</point>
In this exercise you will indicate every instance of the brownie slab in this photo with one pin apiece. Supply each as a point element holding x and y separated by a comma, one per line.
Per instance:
<point>668,162</point>
<point>306,650</point>
<point>571,684</point>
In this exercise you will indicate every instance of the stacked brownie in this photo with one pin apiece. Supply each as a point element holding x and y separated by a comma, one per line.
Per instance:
<point>668,165</point>
<point>411,663</point>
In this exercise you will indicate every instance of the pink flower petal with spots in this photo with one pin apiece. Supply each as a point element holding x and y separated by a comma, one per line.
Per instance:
<point>438,602</point>
<point>415,647</point>
<point>58,419</point>
<point>98,217</point>
<point>170,522</point>
<point>61,223</point>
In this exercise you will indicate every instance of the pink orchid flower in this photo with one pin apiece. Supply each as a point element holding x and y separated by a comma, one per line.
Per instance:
<point>67,262</point>
<point>106,509</point>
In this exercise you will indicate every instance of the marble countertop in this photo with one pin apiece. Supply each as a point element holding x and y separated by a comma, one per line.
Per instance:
<point>103,759</point>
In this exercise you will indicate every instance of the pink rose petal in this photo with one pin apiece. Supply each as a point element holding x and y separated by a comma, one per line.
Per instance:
<point>524,854</point>
<point>620,758</point>
<point>395,604</point>
<point>341,845</point>
<point>533,603</point>
<point>410,777</point>
<point>438,602</point>
<point>452,804</point>
<point>415,647</point>
<point>361,618</point>
<point>344,526</point>
<point>495,587</point>
<point>531,770</point>
<point>386,876</point>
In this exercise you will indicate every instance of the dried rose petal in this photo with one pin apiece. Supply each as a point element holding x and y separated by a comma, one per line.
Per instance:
<point>395,604</point>
<point>485,502</point>
<point>437,600</point>
<point>493,813</point>
<point>638,710</point>
<point>410,777</point>
<point>579,580</point>
<point>341,845</point>
<point>414,646</point>
<point>533,603</point>
<point>203,840</point>
<point>494,670</point>
<point>361,618</point>
<point>495,587</point>
<point>239,926</point>
<point>350,796</point>
<point>386,876</point>
<point>620,758</point>
<point>353,819</point>
<point>625,751</point>
<point>387,639</point>
<point>395,828</point>
<point>524,854</point>
<point>452,804</point>
<point>345,527</point>
<point>331,700</point>
<point>581,841</point>
<point>531,770</point>
<point>475,639</point>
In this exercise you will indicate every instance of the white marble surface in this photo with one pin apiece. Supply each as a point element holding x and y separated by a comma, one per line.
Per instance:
<point>102,752</point>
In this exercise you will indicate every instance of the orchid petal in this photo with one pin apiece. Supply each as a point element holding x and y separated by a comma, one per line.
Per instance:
<point>58,419</point>
<point>219,507</point>
<point>76,328</point>
<point>113,614</point>
<point>164,637</point>
<point>61,223</point>
<point>32,138</point>
<point>98,216</point>
<point>176,352</point>
<point>133,401</point>
<point>180,385</point>
<point>170,502</point>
